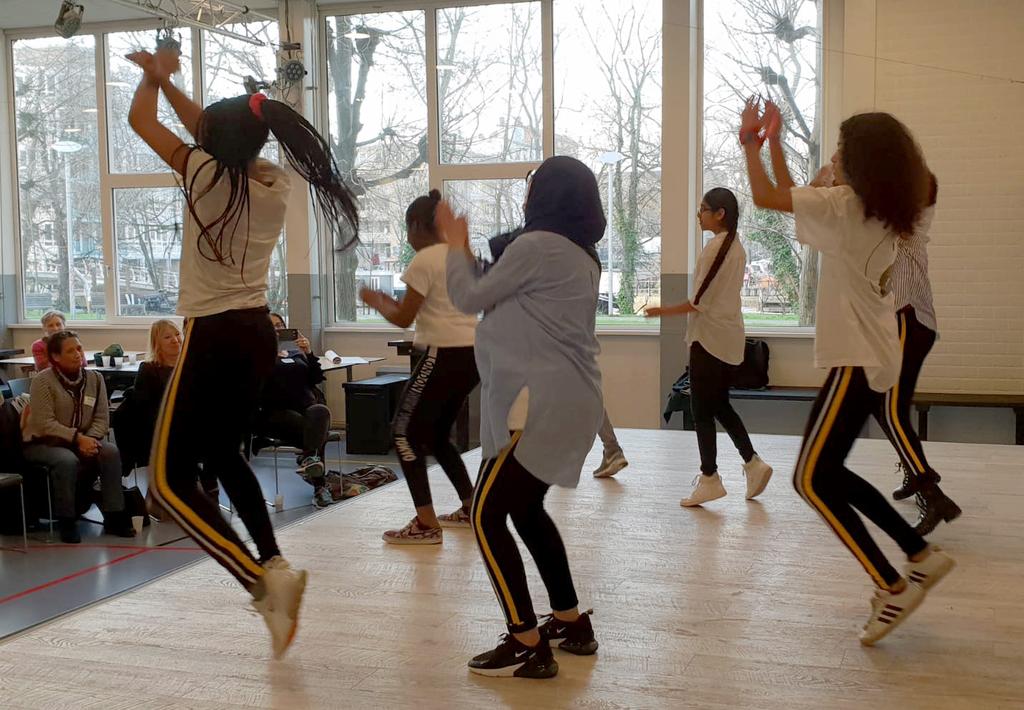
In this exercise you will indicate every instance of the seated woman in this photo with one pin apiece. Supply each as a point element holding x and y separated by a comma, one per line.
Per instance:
<point>53,322</point>
<point>66,434</point>
<point>135,420</point>
<point>292,410</point>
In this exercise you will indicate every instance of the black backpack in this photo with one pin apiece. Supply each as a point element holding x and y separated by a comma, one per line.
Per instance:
<point>752,373</point>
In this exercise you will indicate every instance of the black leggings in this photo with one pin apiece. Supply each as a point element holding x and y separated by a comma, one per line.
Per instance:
<point>505,489</point>
<point>209,406</point>
<point>709,400</point>
<point>440,383</point>
<point>916,342</point>
<point>837,493</point>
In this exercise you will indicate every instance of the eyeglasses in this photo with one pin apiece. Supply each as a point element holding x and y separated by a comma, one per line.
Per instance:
<point>529,176</point>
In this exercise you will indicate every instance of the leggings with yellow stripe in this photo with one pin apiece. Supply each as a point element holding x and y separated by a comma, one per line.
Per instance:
<point>507,490</point>
<point>821,478</point>
<point>208,408</point>
<point>916,341</point>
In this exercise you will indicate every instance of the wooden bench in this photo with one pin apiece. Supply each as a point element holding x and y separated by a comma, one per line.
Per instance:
<point>923,402</point>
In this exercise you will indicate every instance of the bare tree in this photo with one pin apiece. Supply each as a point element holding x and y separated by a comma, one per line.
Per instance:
<point>626,45</point>
<point>772,51</point>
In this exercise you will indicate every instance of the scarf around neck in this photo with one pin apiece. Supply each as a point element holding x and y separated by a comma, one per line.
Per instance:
<point>76,388</point>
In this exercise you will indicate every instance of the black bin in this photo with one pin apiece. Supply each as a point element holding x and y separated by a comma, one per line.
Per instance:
<point>370,405</point>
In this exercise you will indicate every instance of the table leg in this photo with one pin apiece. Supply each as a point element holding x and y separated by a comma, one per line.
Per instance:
<point>1018,415</point>
<point>922,421</point>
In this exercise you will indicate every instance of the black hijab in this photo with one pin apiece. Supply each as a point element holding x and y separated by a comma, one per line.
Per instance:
<point>564,199</point>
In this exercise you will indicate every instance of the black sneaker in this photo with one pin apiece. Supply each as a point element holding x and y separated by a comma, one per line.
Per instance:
<point>514,659</point>
<point>573,636</point>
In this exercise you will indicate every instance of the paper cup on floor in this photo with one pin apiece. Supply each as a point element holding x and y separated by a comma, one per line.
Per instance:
<point>137,524</point>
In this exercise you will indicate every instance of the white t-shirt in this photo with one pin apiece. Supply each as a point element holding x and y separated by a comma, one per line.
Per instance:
<point>438,322</point>
<point>208,286</point>
<point>717,324</point>
<point>855,323</point>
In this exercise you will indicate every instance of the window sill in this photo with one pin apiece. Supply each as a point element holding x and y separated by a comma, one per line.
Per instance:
<point>97,325</point>
<point>781,333</point>
<point>379,328</point>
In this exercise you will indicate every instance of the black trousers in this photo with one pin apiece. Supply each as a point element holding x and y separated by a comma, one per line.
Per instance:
<point>507,490</point>
<point>837,493</point>
<point>209,406</point>
<point>440,383</point>
<point>307,429</point>
<point>709,401</point>
<point>893,415</point>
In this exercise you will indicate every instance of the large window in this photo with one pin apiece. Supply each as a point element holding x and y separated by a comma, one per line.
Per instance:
<point>58,177</point>
<point>491,128</point>
<point>608,59</point>
<point>86,214</point>
<point>773,50</point>
<point>377,114</point>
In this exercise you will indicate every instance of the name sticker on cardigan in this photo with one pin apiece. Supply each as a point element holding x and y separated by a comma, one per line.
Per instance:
<point>287,360</point>
<point>89,401</point>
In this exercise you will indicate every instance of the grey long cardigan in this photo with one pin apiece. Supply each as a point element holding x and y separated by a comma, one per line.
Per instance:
<point>540,301</point>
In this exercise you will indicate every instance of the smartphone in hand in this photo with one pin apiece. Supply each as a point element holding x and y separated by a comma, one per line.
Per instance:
<point>287,339</point>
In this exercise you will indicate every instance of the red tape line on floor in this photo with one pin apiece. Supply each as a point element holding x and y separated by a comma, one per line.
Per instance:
<point>68,578</point>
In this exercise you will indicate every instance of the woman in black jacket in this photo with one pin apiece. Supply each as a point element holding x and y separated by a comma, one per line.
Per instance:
<point>292,410</point>
<point>135,420</point>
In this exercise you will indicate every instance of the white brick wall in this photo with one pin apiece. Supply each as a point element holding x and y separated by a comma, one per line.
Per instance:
<point>972,133</point>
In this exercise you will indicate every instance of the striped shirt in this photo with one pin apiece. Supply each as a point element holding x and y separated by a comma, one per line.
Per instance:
<point>909,282</point>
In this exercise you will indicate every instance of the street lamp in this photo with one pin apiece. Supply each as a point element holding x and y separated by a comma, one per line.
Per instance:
<point>609,159</point>
<point>66,148</point>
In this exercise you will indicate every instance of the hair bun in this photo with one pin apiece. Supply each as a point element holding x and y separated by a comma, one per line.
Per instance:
<point>435,195</point>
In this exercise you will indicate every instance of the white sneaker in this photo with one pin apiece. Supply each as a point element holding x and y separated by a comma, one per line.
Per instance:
<point>889,610</point>
<point>280,604</point>
<point>758,474</point>
<point>929,571</point>
<point>610,465</point>
<point>458,519</point>
<point>705,488</point>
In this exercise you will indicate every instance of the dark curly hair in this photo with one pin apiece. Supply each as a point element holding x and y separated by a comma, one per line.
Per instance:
<point>884,166</point>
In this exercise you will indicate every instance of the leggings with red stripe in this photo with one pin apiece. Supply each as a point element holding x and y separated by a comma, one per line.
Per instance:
<point>837,493</point>
<point>208,409</point>
<point>916,341</point>
<point>507,490</point>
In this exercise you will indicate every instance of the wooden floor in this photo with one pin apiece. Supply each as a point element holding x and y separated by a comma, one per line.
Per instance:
<point>741,604</point>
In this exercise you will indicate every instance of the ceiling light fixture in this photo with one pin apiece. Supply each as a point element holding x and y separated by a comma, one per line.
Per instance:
<point>69,18</point>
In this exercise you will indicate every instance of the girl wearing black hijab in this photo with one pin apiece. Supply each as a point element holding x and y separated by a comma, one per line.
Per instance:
<point>540,402</point>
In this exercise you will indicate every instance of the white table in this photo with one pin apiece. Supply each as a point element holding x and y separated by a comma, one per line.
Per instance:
<point>346,364</point>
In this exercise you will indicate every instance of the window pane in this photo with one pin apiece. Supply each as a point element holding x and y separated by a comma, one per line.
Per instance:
<point>128,152</point>
<point>489,83</point>
<point>147,232</point>
<point>491,206</point>
<point>58,176</point>
<point>377,109</point>
<point>746,54</point>
<point>608,64</point>
<point>226,64</point>
<point>228,61</point>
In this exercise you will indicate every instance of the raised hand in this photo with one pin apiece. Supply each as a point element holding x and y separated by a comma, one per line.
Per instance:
<point>370,297</point>
<point>824,178</point>
<point>167,62</point>
<point>454,229</point>
<point>751,122</point>
<point>772,121</point>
